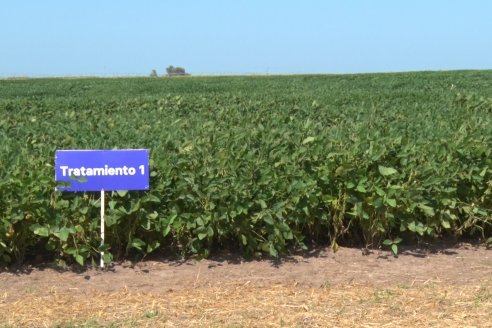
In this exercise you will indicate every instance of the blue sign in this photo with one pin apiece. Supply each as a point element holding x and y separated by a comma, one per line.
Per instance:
<point>96,170</point>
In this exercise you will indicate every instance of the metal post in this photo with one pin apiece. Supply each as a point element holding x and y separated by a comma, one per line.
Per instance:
<point>102,226</point>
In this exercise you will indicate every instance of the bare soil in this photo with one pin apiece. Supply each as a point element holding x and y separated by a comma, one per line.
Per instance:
<point>30,296</point>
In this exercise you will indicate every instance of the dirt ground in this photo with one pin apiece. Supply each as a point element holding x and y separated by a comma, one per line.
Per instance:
<point>439,286</point>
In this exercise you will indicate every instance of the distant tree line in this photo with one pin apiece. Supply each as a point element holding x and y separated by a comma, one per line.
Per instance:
<point>170,71</point>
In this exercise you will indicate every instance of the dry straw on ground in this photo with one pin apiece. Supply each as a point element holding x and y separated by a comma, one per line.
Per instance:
<point>425,305</point>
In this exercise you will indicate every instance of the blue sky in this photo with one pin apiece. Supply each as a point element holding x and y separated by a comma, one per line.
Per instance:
<point>123,37</point>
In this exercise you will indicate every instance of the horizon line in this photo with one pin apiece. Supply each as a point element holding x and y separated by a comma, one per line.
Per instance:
<point>82,76</point>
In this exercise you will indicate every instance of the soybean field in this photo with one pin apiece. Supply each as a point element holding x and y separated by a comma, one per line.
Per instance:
<point>260,165</point>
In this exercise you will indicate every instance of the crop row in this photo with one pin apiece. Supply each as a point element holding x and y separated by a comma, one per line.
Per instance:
<point>254,170</point>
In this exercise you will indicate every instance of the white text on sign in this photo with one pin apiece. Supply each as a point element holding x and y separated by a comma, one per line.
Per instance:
<point>100,171</point>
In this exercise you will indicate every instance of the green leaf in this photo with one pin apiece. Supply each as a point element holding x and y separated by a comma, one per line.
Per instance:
<point>308,140</point>
<point>40,230</point>
<point>103,248</point>
<point>153,246</point>
<point>145,224</point>
<point>268,219</point>
<point>380,192</point>
<point>350,185</point>
<point>488,242</point>
<point>151,199</point>
<point>202,235</point>
<point>273,252</point>
<point>391,202</point>
<point>284,227</point>
<point>428,211</point>
<point>80,259</point>
<point>137,243</point>
<point>112,204</point>
<point>244,240</point>
<point>385,171</point>
<point>340,171</point>
<point>135,207</point>
<point>122,193</point>
<point>70,250</point>
<point>305,209</point>
<point>445,224</point>
<point>288,235</point>
<point>394,249</point>
<point>107,258</point>
<point>153,216</point>
<point>262,204</point>
<point>361,188</point>
<point>63,234</point>
<point>420,229</point>
<point>387,242</point>
<point>166,230</point>
<point>378,203</point>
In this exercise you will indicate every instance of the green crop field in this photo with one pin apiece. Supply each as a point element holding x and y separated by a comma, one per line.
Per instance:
<point>259,164</point>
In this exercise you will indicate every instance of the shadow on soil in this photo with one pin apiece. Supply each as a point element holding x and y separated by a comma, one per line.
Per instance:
<point>221,258</point>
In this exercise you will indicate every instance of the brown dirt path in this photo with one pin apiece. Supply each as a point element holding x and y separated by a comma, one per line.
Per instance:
<point>461,273</point>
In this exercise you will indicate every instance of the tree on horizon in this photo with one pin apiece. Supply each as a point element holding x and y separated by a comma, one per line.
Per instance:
<point>171,70</point>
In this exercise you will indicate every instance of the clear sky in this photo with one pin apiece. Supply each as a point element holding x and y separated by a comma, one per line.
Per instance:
<point>123,37</point>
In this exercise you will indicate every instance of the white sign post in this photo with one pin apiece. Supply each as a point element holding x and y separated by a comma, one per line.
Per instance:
<point>102,227</point>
